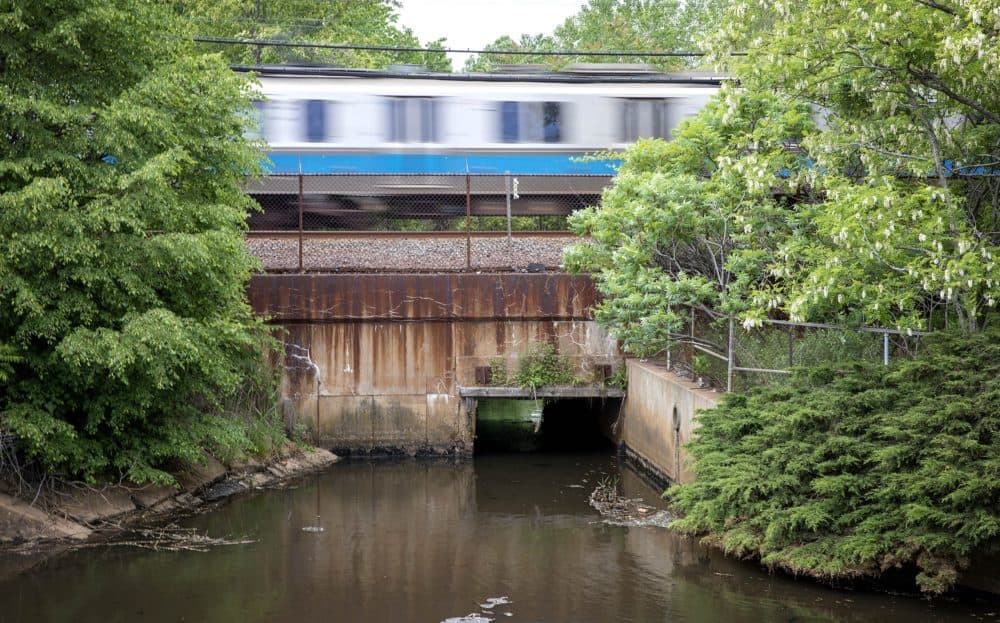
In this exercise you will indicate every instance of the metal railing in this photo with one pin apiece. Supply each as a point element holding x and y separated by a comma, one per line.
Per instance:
<point>775,346</point>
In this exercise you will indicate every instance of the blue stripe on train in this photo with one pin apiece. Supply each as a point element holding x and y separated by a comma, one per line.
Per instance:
<point>518,164</point>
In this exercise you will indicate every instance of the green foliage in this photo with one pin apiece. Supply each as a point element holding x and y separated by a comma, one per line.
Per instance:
<point>8,357</point>
<point>907,217</point>
<point>889,213</point>
<point>614,25</point>
<point>123,269</point>
<point>543,366</point>
<point>686,224</point>
<point>849,470</point>
<point>619,379</point>
<point>360,22</point>
<point>476,223</point>
<point>518,223</point>
<point>499,374</point>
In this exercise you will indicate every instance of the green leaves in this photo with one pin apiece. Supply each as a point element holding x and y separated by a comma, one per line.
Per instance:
<point>846,472</point>
<point>692,221</point>
<point>603,25</point>
<point>906,161</point>
<point>122,262</point>
<point>359,22</point>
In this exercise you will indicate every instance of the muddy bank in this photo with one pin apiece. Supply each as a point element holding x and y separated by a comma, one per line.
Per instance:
<point>74,514</point>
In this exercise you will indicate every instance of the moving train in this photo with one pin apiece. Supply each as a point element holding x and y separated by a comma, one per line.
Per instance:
<point>403,141</point>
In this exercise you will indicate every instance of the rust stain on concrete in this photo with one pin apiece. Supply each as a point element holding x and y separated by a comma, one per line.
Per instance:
<point>374,297</point>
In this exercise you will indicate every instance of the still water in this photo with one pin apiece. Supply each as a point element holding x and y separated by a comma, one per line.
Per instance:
<point>506,537</point>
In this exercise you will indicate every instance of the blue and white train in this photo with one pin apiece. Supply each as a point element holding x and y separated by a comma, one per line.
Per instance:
<point>378,140</point>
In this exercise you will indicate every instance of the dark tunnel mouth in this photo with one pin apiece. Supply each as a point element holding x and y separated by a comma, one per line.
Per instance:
<point>542,426</point>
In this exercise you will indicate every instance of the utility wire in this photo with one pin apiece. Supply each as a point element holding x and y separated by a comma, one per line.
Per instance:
<point>389,48</point>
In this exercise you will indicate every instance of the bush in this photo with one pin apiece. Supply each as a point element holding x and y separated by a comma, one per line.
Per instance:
<point>543,366</point>
<point>846,471</point>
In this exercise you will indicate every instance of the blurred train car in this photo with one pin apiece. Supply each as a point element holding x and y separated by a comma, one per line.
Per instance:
<point>403,142</point>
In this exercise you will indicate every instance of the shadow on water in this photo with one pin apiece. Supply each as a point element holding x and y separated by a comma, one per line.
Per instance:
<point>507,537</point>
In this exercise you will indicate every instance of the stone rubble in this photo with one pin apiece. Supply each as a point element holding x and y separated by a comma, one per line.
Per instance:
<point>84,510</point>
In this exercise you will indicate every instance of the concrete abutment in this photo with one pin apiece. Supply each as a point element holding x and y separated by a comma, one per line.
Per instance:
<point>376,364</point>
<point>658,417</point>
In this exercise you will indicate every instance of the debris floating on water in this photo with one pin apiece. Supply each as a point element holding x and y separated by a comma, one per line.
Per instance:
<point>493,602</point>
<point>622,511</point>
<point>316,528</point>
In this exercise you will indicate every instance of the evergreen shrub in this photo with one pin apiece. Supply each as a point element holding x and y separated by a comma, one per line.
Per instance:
<point>849,470</point>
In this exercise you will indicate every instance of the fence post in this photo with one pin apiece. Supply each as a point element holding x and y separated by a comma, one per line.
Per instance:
<point>468,220</point>
<point>691,347</point>
<point>790,347</point>
<point>885,348</point>
<point>669,341</point>
<point>301,201</point>
<point>730,356</point>
<point>506,186</point>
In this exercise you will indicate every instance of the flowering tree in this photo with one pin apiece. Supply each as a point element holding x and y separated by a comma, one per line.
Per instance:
<point>908,162</point>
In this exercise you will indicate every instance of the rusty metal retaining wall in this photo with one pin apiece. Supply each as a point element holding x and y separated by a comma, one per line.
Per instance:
<point>374,363</point>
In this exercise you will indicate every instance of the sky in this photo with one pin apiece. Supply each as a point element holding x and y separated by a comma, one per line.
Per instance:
<point>474,23</point>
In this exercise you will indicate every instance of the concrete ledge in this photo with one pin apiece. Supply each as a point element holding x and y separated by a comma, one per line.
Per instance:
<point>541,392</point>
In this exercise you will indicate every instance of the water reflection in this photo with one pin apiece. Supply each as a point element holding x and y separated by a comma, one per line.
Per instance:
<point>415,541</point>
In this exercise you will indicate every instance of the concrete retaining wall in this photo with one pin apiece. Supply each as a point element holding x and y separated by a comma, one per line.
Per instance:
<point>394,386</point>
<point>658,418</point>
<point>373,363</point>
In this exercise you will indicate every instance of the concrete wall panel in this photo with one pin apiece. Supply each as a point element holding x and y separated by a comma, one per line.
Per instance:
<point>344,421</point>
<point>659,417</point>
<point>399,422</point>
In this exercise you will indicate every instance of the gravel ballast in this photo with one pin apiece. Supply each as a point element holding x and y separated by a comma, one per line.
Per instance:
<point>419,254</point>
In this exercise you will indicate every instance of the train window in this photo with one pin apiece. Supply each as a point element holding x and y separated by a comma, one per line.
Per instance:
<point>316,122</point>
<point>257,119</point>
<point>412,120</point>
<point>644,118</point>
<point>530,122</point>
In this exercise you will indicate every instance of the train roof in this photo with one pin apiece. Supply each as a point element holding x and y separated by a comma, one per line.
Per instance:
<point>588,74</point>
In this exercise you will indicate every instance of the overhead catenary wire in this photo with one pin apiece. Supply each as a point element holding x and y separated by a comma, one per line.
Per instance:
<point>390,48</point>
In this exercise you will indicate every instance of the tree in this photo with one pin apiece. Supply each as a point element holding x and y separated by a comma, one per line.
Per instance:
<point>671,25</point>
<point>693,221</point>
<point>909,224</point>
<point>122,263</point>
<point>360,22</point>
<point>490,62</point>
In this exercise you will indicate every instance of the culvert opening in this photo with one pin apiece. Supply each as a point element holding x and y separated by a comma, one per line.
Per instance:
<point>550,425</point>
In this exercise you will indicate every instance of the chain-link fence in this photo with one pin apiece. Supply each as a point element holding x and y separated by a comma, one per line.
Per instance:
<point>715,350</point>
<point>416,203</point>
<point>390,222</point>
